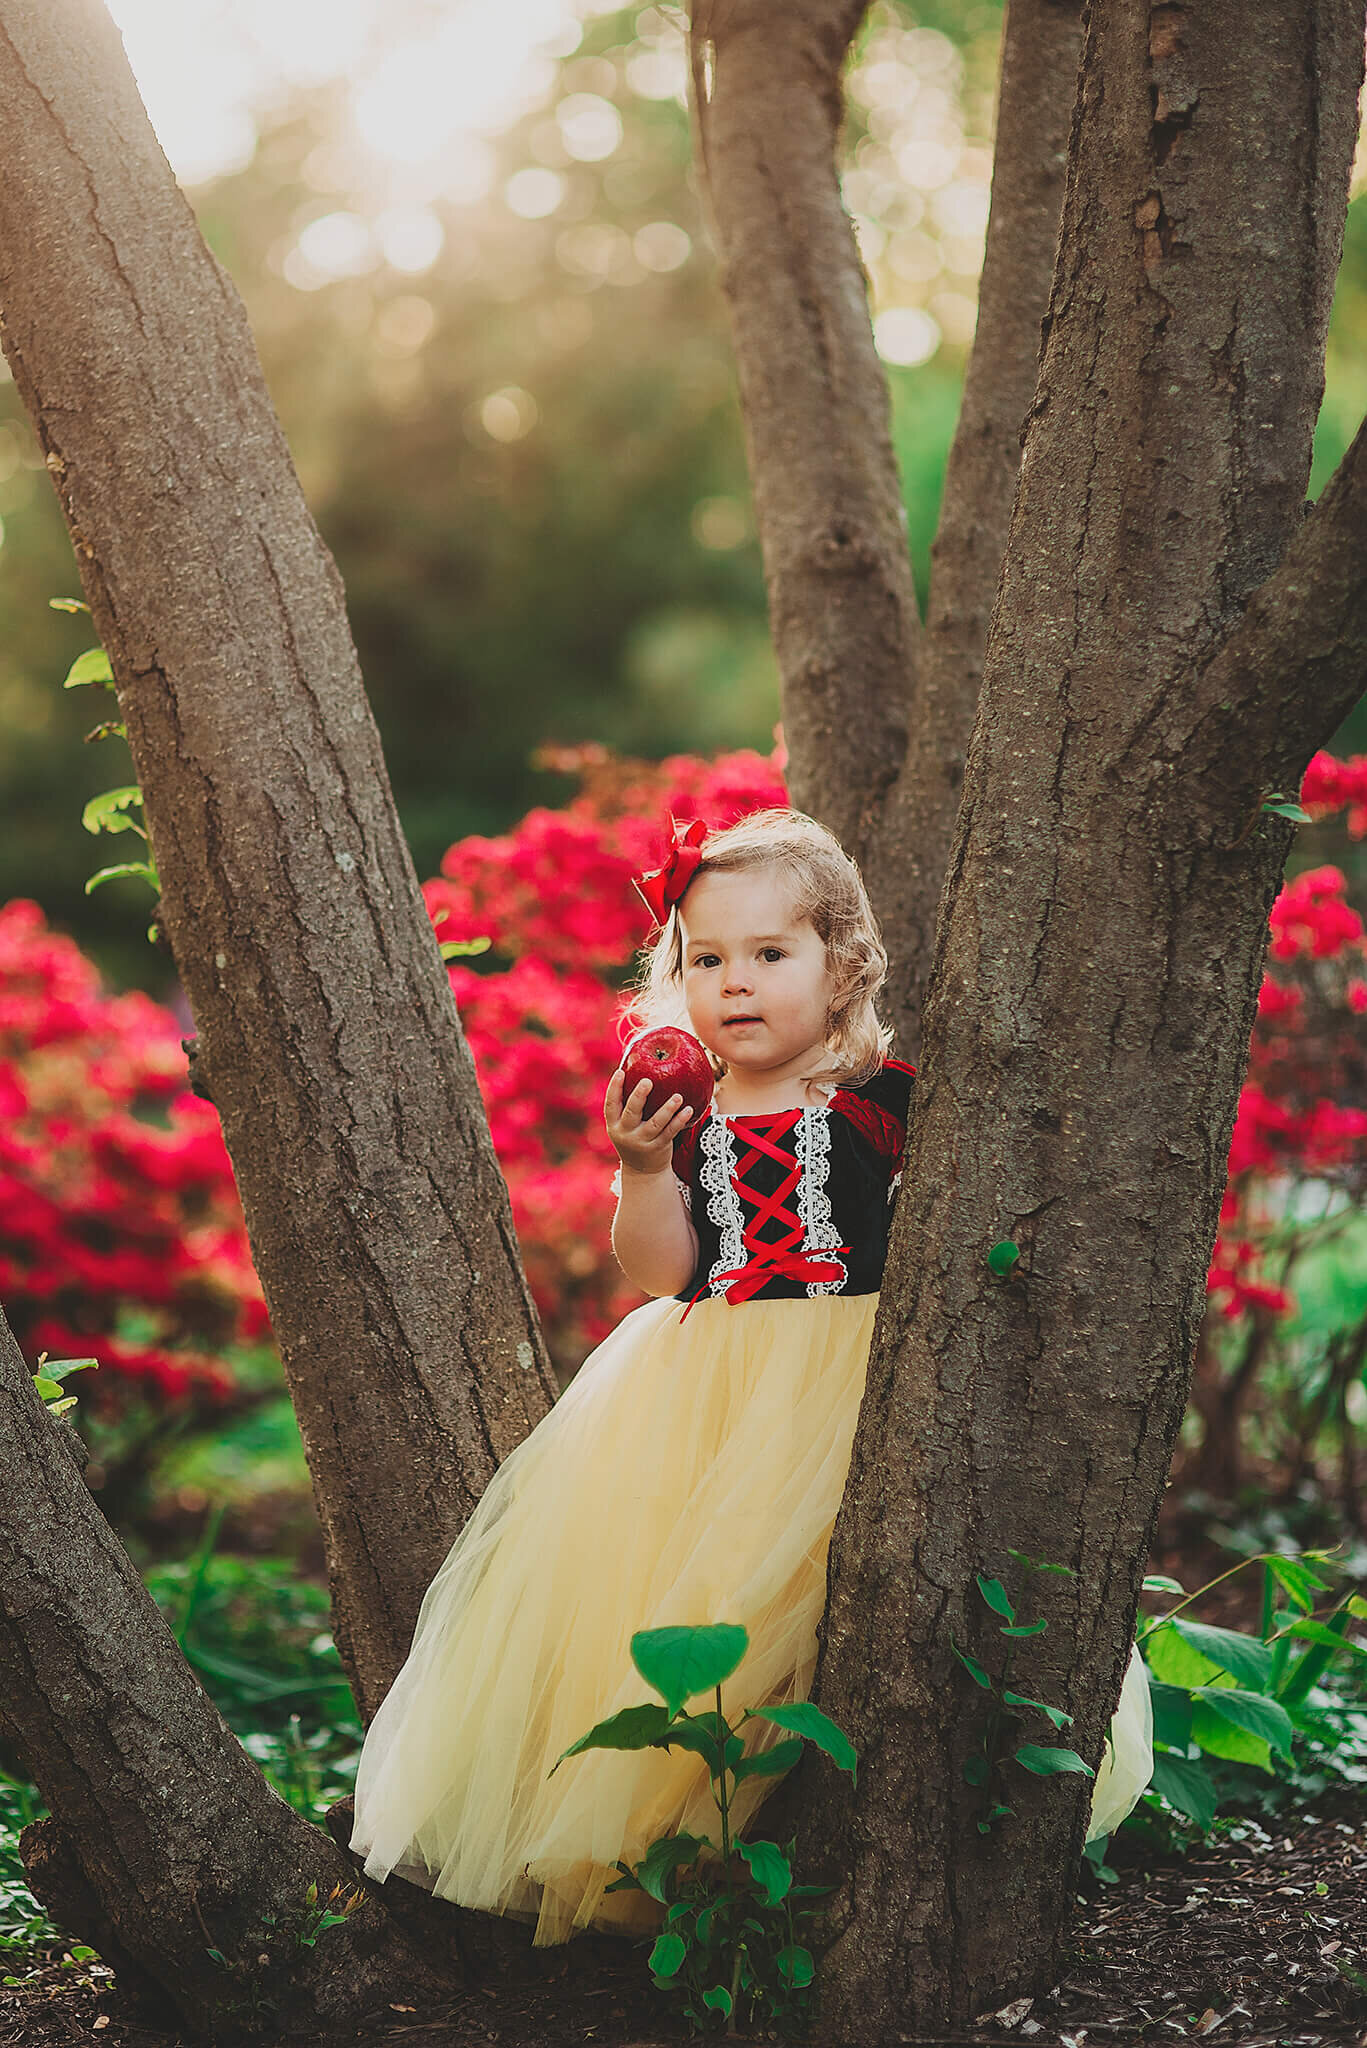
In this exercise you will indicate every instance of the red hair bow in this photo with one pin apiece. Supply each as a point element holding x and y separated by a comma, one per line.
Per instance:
<point>664,886</point>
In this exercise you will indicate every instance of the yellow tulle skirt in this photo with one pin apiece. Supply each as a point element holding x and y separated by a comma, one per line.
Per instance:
<point>690,1473</point>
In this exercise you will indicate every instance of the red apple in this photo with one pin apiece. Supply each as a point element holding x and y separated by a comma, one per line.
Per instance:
<point>674,1063</point>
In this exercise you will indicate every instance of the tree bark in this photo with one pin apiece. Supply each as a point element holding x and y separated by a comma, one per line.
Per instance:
<point>1097,966</point>
<point>328,1038</point>
<point>166,1842</point>
<point>909,853</point>
<point>842,606</point>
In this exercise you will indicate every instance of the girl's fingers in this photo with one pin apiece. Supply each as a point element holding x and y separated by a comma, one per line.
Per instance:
<point>664,1115</point>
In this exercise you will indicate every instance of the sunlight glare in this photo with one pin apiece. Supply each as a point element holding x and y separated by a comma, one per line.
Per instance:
<point>207,69</point>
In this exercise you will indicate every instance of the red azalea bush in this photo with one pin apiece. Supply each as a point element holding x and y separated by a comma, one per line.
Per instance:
<point>120,1232</point>
<point>1297,1174</point>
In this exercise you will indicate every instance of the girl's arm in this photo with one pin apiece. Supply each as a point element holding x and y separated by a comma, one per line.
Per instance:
<point>654,1241</point>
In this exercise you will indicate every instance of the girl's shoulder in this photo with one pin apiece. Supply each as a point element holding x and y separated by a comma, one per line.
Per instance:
<point>877,1108</point>
<point>888,1090</point>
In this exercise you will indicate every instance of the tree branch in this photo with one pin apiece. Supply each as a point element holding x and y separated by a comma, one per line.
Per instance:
<point>378,1217</point>
<point>827,498</point>
<point>1295,664</point>
<point>1036,90</point>
<point>163,1830</point>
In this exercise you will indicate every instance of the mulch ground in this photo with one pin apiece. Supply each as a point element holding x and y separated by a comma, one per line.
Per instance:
<point>1244,1945</point>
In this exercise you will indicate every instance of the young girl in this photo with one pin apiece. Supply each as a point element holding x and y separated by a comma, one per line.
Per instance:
<point>692,1470</point>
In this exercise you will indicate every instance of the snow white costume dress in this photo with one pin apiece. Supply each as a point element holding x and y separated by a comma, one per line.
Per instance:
<point>691,1472</point>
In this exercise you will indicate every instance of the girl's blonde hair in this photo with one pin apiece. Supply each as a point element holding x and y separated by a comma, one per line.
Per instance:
<point>828,891</point>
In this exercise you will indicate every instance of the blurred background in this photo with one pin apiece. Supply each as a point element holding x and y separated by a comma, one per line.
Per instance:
<point>470,245</point>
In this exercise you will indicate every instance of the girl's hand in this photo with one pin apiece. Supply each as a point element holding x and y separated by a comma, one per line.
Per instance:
<point>644,1144</point>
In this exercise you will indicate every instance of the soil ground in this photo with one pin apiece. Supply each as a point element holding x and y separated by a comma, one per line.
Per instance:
<point>1260,1943</point>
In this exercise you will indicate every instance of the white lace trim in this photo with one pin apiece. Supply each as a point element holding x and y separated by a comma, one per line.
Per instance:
<point>819,1233</point>
<point>717,1174</point>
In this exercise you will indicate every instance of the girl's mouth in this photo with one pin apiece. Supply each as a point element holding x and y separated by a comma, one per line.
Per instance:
<point>728,1022</point>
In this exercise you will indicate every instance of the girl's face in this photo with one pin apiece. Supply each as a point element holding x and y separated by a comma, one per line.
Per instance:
<point>755,977</point>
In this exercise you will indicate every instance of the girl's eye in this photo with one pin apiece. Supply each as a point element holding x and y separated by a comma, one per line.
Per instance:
<point>705,960</point>
<point>773,953</point>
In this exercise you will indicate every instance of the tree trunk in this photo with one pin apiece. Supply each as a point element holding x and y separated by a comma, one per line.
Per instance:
<point>1096,973</point>
<point>328,1038</point>
<point>166,1842</point>
<point>842,606</point>
<point>910,853</point>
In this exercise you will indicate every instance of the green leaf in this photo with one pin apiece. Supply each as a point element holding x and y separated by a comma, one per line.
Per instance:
<point>694,1732</point>
<point>90,667</point>
<point>1186,1786</point>
<point>971,1666</point>
<point>770,1869</point>
<point>718,1999</point>
<point>975,1770</point>
<point>75,604</point>
<point>1357,1607</point>
<point>1222,1738</point>
<point>666,1958</point>
<point>1157,1583</point>
<point>682,1662</point>
<point>795,1966</point>
<point>142,869</point>
<point>1174,1661</point>
<point>58,1368</point>
<point>458,949</point>
<point>1292,811</point>
<point>1171,1713</point>
<point>994,1593</point>
<point>1049,1763</point>
<point>1056,1714</point>
<point>1299,1582</point>
<point>1244,1657</point>
<point>768,1763</point>
<point>662,1859</point>
<point>1252,1711</point>
<point>813,1726</point>
<point>108,812</point>
<point>1003,1256</point>
<point>1031,1628</point>
<point>49,1389</point>
<point>1316,1632</point>
<point>632,1728</point>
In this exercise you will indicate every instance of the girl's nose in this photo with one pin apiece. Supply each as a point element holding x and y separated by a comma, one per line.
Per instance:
<point>736,983</point>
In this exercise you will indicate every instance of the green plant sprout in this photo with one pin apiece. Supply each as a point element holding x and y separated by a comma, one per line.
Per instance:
<point>51,1371</point>
<point>111,810</point>
<point>983,1767</point>
<point>732,1919</point>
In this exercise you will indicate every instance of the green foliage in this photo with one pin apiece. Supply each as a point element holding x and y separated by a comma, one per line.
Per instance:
<point>997,1745</point>
<point>733,1915</point>
<point>50,1373</point>
<point>1244,1721</point>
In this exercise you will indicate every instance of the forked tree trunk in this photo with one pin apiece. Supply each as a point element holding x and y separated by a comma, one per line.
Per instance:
<point>877,712</point>
<point>378,1217</point>
<point>169,1842</point>
<point>1096,973</point>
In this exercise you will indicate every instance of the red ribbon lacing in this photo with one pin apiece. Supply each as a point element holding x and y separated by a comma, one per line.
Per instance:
<point>773,1262</point>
